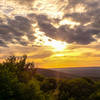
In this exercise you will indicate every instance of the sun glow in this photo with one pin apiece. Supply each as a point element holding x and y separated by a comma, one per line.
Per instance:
<point>56,45</point>
<point>42,39</point>
<point>69,22</point>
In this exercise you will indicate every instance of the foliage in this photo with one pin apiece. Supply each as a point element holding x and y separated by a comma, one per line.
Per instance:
<point>77,88</point>
<point>17,80</point>
<point>20,81</point>
<point>48,84</point>
<point>95,96</point>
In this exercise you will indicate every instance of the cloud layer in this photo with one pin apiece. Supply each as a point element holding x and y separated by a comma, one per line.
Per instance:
<point>14,27</point>
<point>82,34</point>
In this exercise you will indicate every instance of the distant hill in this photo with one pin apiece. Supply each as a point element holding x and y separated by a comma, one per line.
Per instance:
<point>53,73</point>
<point>92,72</point>
<point>80,71</point>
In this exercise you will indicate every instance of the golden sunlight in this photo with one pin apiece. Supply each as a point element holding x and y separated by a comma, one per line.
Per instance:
<point>69,22</point>
<point>42,39</point>
<point>56,45</point>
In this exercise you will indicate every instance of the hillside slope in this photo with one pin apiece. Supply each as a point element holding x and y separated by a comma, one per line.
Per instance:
<point>71,72</point>
<point>55,74</point>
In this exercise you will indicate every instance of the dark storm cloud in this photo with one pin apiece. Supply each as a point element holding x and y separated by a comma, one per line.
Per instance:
<point>20,26</point>
<point>79,17</point>
<point>23,25</point>
<point>14,30</point>
<point>91,14</point>
<point>20,23</point>
<point>84,35</point>
<point>46,26</point>
<point>80,34</point>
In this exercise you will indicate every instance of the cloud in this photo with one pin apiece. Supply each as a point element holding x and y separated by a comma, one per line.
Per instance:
<point>83,34</point>
<point>44,54</point>
<point>21,23</point>
<point>45,25</point>
<point>79,17</point>
<point>24,2</point>
<point>15,29</point>
<point>90,54</point>
<point>80,35</point>
<point>2,43</point>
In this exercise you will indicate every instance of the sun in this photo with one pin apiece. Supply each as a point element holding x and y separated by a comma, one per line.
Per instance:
<point>43,40</point>
<point>52,44</point>
<point>57,45</point>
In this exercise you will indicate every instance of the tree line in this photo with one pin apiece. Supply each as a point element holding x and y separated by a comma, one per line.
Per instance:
<point>19,80</point>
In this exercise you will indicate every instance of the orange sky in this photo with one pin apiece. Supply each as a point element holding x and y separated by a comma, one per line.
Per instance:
<point>52,33</point>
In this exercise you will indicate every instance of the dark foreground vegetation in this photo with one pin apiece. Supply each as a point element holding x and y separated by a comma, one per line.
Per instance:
<point>20,81</point>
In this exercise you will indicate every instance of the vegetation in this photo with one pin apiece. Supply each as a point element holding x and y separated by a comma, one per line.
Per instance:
<point>19,81</point>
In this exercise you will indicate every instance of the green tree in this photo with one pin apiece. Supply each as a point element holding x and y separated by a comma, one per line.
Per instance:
<point>17,80</point>
<point>95,96</point>
<point>49,84</point>
<point>77,88</point>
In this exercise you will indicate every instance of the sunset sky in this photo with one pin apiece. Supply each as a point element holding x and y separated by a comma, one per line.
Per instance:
<point>52,33</point>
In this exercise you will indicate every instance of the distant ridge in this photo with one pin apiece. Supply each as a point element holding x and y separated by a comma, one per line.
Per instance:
<point>92,72</point>
<point>53,73</point>
<point>81,71</point>
<point>71,72</point>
